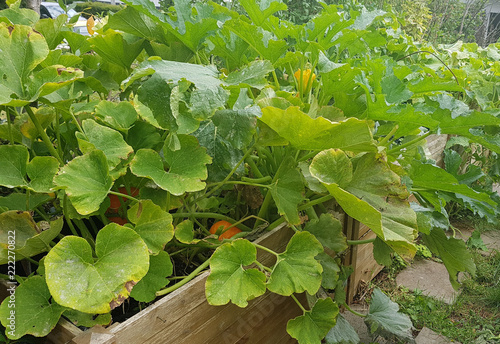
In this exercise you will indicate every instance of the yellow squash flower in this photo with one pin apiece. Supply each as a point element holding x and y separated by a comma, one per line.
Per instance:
<point>306,75</point>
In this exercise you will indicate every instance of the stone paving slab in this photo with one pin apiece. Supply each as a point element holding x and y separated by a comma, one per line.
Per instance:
<point>491,239</point>
<point>427,336</point>
<point>430,277</point>
<point>358,323</point>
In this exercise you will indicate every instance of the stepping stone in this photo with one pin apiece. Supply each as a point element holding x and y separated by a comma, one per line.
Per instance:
<point>431,278</point>
<point>491,238</point>
<point>427,336</point>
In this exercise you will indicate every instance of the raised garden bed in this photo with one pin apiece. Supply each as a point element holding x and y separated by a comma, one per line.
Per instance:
<point>184,316</point>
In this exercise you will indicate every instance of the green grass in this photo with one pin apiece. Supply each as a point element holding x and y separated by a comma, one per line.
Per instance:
<point>473,318</point>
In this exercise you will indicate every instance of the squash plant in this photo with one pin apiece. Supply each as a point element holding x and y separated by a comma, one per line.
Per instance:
<point>119,154</point>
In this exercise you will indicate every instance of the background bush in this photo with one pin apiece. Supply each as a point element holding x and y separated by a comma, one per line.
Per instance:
<point>96,8</point>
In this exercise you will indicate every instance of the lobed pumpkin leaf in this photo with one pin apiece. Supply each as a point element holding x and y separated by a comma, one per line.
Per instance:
<point>313,326</point>
<point>86,181</point>
<point>186,167</point>
<point>229,280</point>
<point>152,223</point>
<point>160,267</point>
<point>296,270</point>
<point>78,281</point>
<point>35,312</point>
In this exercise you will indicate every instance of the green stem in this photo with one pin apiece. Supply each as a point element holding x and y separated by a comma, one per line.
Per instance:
<point>311,213</point>
<point>257,180</point>
<point>31,260</point>
<point>354,312</point>
<point>85,232</point>
<point>308,156</point>
<point>298,303</point>
<point>44,216</point>
<point>43,134</point>
<point>185,280</point>
<point>253,167</point>
<point>57,129</point>
<point>276,83</point>
<point>65,213</point>
<point>266,249</point>
<point>262,266</point>
<point>384,141</point>
<point>9,126</point>
<point>233,171</point>
<point>119,194</point>
<point>237,182</point>
<point>407,144</point>
<point>80,129</point>
<point>360,242</point>
<point>320,200</point>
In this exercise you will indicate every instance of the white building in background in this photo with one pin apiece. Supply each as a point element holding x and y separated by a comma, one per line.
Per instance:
<point>491,31</point>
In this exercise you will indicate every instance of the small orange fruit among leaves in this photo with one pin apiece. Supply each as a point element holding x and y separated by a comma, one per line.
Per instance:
<point>228,233</point>
<point>119,220</point>
<point>115,201</point>
<point>90,25</point>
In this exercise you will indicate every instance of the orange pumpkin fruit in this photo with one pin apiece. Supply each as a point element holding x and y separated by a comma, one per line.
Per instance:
<point>228,233</point>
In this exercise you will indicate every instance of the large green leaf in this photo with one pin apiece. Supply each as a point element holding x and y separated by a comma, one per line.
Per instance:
<point>184,232</point>
<point>13,160</point>
<point>287,191</point>
<point>52,30</point>
<point>120,115</point>
<point>113,47</point>
<point>22,201</point>
<point>252,75</point>
<point>303,132</point>
<point>23,49</point>
<point>77,280</point>
<point>328,230</point>
<point>375,197</point>
<point>160,267</point>
<point>192,25</point>
<point>225,136</point>
<point>385,319</point>
<point>296,270</point>
<point>332,166</point>
<point>229,280</point>
<point>331,270</point>
<point>203,100</point>
<point>260,40</point>
<point>342,333</point>
<point>434,178</point>
<point>131,21</point>
<point>36,175</point>
<point>109,141</point>
<point>30,238</point>
<point>186,167</point>
<point>452,251</point>
<point>87,319</point>
<point>153,224</point>
<point>86,181</point>
<point>34,313</point>
<point>313,326</point>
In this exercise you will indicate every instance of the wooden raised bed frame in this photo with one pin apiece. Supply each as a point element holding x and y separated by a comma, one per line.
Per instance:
<point>184,316</point>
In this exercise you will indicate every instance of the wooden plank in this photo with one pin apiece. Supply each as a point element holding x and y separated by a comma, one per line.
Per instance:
<point>351,287</point>
<point>63,333</point>
<point>366,267</point>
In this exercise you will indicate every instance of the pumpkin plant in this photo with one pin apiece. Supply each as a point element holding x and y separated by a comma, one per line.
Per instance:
<point>131,150</point>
